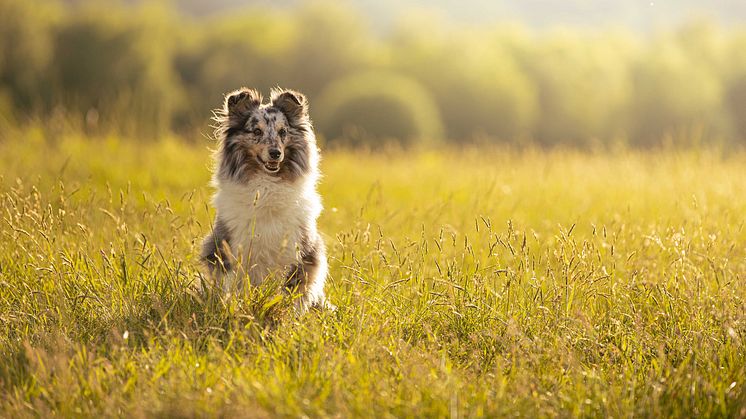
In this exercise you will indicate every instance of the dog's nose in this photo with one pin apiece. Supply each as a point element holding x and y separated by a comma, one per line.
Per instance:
<point>275,154</point>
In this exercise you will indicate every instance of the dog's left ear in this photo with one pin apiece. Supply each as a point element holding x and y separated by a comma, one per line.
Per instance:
<point>291,103</point>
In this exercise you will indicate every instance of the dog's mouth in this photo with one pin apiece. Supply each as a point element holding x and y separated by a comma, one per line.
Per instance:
<point>270,166</point>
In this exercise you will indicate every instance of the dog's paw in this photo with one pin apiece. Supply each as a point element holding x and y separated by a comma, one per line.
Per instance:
<point>324,305</point>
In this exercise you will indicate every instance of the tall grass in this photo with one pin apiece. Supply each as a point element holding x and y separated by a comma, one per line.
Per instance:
<point>469,282</point>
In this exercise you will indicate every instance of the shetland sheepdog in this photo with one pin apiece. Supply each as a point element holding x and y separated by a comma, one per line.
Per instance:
<point>266,200</point>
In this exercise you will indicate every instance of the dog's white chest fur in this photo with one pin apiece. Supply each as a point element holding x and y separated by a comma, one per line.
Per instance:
<point>267,218</point>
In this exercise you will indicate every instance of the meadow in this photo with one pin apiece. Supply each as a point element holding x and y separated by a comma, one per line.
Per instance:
<point>469,282</point>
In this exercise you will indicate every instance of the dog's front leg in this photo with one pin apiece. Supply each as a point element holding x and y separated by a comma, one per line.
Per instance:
<point>301,277</point>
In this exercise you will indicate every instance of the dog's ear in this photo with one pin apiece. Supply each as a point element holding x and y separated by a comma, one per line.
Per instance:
<point>241,102</point>
<point>291,103</point>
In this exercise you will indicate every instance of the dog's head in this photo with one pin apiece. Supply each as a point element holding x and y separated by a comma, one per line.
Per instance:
<point>275,138</point>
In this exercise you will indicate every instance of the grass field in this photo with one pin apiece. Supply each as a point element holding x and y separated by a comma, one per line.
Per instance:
<point>468,283</point>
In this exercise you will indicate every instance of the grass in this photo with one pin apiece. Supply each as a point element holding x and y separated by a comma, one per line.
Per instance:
<point>468,283</point>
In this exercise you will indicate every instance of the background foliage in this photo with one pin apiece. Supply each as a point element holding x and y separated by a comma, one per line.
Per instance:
<point>146,70</point>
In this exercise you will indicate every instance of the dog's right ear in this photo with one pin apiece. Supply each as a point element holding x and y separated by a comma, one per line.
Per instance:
<point>241,102</point>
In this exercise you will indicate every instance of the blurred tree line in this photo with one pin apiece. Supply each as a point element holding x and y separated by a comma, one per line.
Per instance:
<point>145,70</point>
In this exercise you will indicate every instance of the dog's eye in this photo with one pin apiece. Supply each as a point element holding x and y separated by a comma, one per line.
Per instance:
<point>282,132</point>
<point>257,131</point>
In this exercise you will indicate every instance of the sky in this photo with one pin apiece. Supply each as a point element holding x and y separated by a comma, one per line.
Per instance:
<point>638,15</point>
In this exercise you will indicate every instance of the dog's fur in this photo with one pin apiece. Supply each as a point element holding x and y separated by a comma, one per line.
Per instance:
<point>267,205</point>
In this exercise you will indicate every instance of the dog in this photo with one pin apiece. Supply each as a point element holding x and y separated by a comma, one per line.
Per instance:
<point>266,200</point>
